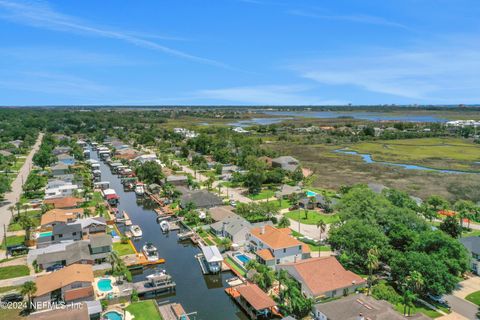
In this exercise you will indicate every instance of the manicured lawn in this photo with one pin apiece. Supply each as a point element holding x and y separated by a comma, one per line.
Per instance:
<point>234,266</point>
<point>13,241</point>
<point>418,307</point>
<point>10,288</point>
<point>312,216</point>
<point>144,310</point>
<point>314,247</point>
<point>264,194</point>
<point>474,297</point>
<point>13,272</point>
<point>123,248</point>
<point>282,204</point>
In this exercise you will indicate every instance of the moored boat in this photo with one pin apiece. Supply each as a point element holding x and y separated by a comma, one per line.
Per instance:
<point>150,251</point>
<point>136,231</point>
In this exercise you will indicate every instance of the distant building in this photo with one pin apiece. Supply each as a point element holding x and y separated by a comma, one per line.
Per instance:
<point>287,163</point>
<point>202,199</point>
<point>232,227</point>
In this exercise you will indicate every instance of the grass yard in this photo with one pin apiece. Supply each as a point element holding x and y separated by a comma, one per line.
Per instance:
<point>144,310</point>
<point>13,272</point>
<point>10,289</point>
<point>234,266</point>
<point>123,248</point>
<point>264,194</point>
<point>13,241</point>
<point>474,297</point>
<point>418,307</point>
<point>11,314</point>
<point>316,248</point>
<point>312,217</point>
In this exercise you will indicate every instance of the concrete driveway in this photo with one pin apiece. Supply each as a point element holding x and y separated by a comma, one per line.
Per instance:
<point>462,307</point>
<point>467,286</point>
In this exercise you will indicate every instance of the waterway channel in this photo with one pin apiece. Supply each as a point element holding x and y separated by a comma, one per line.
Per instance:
<point>196,292</point>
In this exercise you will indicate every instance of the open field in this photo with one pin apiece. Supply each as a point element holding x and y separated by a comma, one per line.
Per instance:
<point>333,170</point>
<point>439,153</point>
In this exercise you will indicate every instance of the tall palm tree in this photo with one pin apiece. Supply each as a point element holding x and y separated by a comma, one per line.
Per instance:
<point>322,226</point>
<point>28,289</point>
<point>372,264</point>
<point>284,222</point>
<point>114,260</point>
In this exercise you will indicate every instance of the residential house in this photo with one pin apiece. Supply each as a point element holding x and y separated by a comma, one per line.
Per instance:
<point>5,153</point>
<point>64,203</point>
<point>221,212</point>
<point>70,284</point>
<point>65,190</point>
<point>213,258</point>
<point>177,180</point>
<point>73,252</point>
<point>229,169</point>
<point>233,227</point>
<point>286,190</point>
<point>146,158</point>
<point>100,247</point>
<point>60,169</point>
<point>55,216</point>
<point>202,199</point>
<point>274,246</point>
<point>92,225</point>
<point>287,163</point>
<point>323,277</point>
<point>16,143</point>
<point>56,183</point>
<point>360,307</point>
<point>61,150</point>
<point>472,244</point>
<point>61,232</point>
<point>317,201</point>
<point>256,303</point>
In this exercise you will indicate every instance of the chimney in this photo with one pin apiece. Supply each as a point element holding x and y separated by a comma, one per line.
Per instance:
<point>262,229</point>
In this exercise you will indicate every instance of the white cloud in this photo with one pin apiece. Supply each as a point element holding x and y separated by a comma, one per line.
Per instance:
<point>357,18</point>
<point>437,74</point>
<point>41,15</point>
<point>264,95</point>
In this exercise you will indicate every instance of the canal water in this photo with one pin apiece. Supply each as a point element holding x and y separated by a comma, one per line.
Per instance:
<point>196,292</point>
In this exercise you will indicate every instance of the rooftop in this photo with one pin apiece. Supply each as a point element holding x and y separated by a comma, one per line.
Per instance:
<point>67,202</point>
<point>255,296</point>
<point>275,238</point>
<point>63,277</point>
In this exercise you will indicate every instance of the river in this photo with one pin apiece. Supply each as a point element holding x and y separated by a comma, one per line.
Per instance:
<point>196,292</point>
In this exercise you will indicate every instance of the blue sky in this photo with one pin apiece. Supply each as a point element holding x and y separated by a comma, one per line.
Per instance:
<point>239,52</point>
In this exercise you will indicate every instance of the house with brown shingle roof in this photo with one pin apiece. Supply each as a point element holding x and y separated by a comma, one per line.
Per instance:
<point>70,284</point>
<point>55,216</point>
<point>64,203</point>
<point>323,277</point>
<point>274,246</point>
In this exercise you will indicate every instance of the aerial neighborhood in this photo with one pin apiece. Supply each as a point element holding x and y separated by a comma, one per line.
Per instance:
<point>110,225</point>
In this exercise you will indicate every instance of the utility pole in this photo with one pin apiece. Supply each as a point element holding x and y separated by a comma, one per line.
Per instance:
<point>5,240</point>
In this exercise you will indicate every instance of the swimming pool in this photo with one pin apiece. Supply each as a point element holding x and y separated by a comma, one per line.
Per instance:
<point>113,315</point>
<point>45,234</point>
<point>311,193</point>
<point>104,285</point>
<point>242,258</point>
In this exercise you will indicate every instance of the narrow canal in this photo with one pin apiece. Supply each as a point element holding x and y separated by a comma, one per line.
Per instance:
<point>196,292</point>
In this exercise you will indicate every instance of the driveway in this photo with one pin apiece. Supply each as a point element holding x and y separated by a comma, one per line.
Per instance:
<point>13,196</point>
<point>467,286</point>
<point>462,307</point>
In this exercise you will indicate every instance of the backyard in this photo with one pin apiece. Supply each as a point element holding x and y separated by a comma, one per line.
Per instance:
<point>144,310</point>
<point>123,249</point>
<point>311,216</point>
<point>13,272</point>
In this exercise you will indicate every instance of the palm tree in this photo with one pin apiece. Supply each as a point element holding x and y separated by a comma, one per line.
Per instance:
<point>12,210</point>
<point>28,289</point>
<point>114,260</point>
<point>284,222</point>
<point>322,226</point>
<point>372,264</point>
<point>27,224</point>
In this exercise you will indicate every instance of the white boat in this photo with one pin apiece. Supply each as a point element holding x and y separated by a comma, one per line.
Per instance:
<point>136,231</point>
<point>164,226</point>
<point>150,252</point>
<point>139,189</point>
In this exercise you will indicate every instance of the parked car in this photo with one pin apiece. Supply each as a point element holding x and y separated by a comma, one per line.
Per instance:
<point>438,299</point>
<point>12,297</point>
<point>55,267</point>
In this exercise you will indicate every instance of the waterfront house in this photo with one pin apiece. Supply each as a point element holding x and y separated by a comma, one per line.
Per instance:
<point>55,216</point>
<point>359,307</point>
<point>202,199</point>
<point>65,232</point>
<point>70,284</point>
<point>213,258</point>
<point>472,244</point>
<point>323,277</point>
<point>233,227</point>
<point>64,203</point>
<point>274,246</point>
<point>59,169</point>
<point>287,163</point>
<point>100,247</point>
<point>56,183</point>
<point>92,225</point>
<point>256,303</point>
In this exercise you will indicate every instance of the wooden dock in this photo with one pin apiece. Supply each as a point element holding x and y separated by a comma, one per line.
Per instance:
<point>156,284</point>
<point>174,311</point>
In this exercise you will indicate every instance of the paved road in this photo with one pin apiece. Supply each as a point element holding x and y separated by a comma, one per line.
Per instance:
<point>462,307</point>
<point>12,197</point>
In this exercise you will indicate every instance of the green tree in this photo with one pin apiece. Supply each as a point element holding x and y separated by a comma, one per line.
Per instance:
<point>28,289</point>
<point>451,227</point>
<point>372,265</point>
<point>322,226</point>
<point>284,222</point>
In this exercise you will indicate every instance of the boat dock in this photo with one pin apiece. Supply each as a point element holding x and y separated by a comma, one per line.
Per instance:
<point>155,284</point>
<point>174,311</point>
